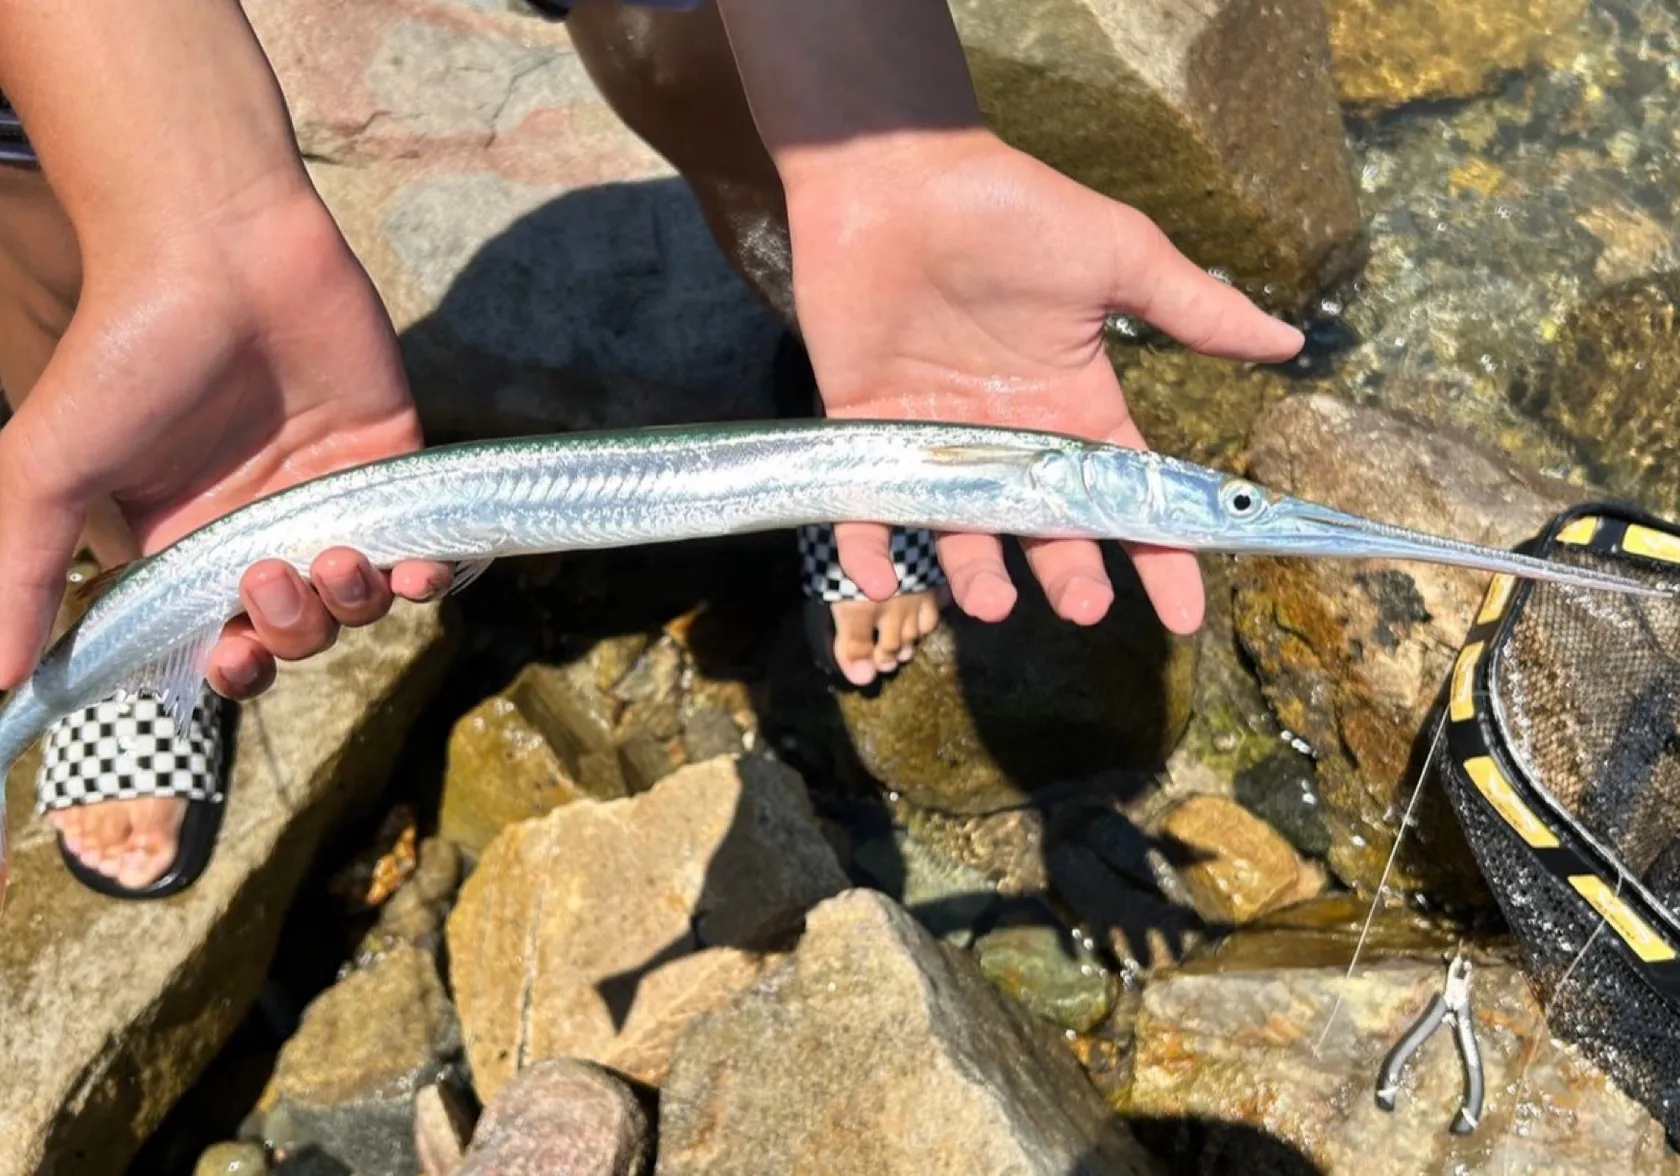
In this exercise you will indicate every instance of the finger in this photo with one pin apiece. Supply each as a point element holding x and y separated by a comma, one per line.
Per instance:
<point>352,591</point>
<point>866,556</point>
<point>974,568</point>
<point>38,537</point>
<point>1172,579</point>
<point>287,616</point>
<point>1162,286</point>
<point>240,666</point>
<point>1075,581</point>
<point>421,580</point>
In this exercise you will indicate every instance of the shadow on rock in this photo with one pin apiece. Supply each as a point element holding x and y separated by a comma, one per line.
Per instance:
<point>1197,1146</point>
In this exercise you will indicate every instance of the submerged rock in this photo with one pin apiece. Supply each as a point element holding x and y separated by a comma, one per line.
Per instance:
<point>347,1079</point>
<point>112,1009</point>
<point>876,1050</point>
<point>986,713</point>
<point>1250,1049</point>
<point>1388,53</point>
<point>1607,388</point>
<point>1050,973</point>
<point>232,1159</point>
<point>561,1118</point>
<point>1218,120</point>
<point>568,917</point>
<point>1352,654</point>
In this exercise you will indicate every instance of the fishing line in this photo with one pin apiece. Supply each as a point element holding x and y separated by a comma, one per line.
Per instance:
<point>1382,883</point>
<point>1542,1034</point>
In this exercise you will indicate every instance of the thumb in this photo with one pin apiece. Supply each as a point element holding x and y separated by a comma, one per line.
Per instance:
<point>1157,283</point>
<point>39,530</point>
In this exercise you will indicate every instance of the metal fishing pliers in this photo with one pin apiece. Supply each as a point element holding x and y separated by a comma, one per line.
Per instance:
<point>1452,1005</point>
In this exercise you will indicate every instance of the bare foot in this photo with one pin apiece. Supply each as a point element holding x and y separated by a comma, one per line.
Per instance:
<point>873,638</point>
<point>130,841</point>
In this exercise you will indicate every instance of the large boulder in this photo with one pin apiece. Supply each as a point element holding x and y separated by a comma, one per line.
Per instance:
<point>875,1050</point>
<point>109,1011</point>
<point>568,918</point>
<point>1218,120</point>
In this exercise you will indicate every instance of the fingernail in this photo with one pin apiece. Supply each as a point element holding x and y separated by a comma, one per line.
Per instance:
<point>279,600</point>
<point>353,590</point>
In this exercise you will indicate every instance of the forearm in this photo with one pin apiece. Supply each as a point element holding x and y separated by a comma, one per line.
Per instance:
<point>162,117</point>
<point>828,77</point>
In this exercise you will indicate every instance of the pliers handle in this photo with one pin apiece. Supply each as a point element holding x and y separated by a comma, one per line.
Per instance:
<point>1454,1006</point>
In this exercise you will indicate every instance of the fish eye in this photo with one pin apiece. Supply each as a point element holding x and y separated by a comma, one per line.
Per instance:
<point>1241,499</point>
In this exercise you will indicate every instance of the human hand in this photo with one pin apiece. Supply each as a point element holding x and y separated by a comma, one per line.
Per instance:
<point>943,275</point>
<point>200,372</point>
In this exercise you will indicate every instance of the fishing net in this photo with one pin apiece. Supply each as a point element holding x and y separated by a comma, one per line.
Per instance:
<point>1562,761</point>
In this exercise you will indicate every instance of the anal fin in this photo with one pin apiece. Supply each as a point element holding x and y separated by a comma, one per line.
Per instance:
<point>177,678</point>
<point>467,571</point>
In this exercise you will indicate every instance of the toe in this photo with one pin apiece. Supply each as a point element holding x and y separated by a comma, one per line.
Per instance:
<point>888,639</point>
<point>927,615</point>
<point>141,867</point>
<point>910,632</point>
<point>854,639</point>
<point>68,822</point>
<point>105,831</point>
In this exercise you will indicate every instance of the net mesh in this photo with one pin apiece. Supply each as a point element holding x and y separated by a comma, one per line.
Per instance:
<point>1586,704</point>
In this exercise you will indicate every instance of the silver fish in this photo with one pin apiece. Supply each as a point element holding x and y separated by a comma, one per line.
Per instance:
<point>476,502</point>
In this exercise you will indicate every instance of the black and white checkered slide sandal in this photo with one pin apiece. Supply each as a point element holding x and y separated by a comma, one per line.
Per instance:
<point>130,749</point>
<point>825,582</point>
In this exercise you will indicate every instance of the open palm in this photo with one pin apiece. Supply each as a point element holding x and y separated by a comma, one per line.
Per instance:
<point>968,282</point>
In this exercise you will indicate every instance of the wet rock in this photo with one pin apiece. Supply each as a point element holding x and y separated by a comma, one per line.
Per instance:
<point>1235,865</point>
<point>546,268</point>
<point>947,897</point>
<point>1049,972</point>
<point>1006,848</point>
<point>1219,120</point>
<point>709,732</point>
<point>1249,1049</point>
<point>1606,389</point>
<point>1387,54</point>
<point>561,1118</point>
<point>1352,654</point>
<point>568,916</point>
<point>533,747</point>
<point>113,1009</point>
<point>347,1079</point>
<point>1142,925</point>
<point>986,714</point>
<point>441,1130</point>
<point>1280,789</point>
<point>876,1049</point>
<point>232,1159</point>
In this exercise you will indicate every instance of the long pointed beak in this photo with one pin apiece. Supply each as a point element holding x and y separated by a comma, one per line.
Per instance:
<point>1296,527</point>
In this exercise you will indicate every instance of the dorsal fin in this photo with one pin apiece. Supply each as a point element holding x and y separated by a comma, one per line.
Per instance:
<point>80,596</point>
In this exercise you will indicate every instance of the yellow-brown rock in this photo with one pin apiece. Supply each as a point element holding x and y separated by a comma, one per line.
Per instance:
<point>1236,866</point>
<point>1390,52</point>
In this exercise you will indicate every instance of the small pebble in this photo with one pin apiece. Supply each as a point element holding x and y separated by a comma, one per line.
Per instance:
<point>232,1159</point>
